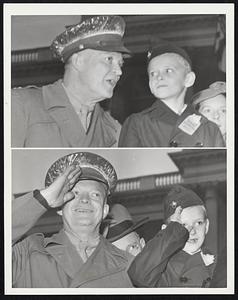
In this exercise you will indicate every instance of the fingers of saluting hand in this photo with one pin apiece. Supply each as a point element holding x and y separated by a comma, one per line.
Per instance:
<point>72,174</point>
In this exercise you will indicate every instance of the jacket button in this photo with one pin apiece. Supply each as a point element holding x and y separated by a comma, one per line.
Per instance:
<point>183,279</point>
<point>173,144</point>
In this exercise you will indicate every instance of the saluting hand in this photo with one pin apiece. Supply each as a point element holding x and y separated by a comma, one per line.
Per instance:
<point>59,191</point>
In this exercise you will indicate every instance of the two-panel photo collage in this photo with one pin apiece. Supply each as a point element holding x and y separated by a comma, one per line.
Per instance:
<point>118,148</point>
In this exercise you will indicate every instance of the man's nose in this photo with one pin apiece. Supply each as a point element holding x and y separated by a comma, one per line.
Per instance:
<point>117,69</point>
<point>159,76</point>
<point>83,198</point>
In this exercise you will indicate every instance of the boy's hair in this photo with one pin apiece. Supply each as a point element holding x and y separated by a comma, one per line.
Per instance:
<point>180,58</point>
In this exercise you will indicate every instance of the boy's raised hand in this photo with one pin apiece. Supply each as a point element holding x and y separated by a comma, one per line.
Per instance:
<point>59,191</point>
<point>176,217</point>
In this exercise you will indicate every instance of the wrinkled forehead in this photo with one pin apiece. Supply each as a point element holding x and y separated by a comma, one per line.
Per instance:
<point>91,185</point>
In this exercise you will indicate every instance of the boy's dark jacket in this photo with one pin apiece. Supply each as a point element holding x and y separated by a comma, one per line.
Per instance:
<point>157,126</point>
<point>163,263</point>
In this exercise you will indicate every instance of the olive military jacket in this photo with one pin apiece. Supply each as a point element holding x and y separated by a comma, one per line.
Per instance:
<point>39,262</point>
<point>44,117</point>
<point>158,126</point>
<point>162,263</point>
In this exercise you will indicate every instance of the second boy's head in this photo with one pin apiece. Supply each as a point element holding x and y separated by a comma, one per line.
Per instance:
<point>170,71</point>
<point>193,216</point>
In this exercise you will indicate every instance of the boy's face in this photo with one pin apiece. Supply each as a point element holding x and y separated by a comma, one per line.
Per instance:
<point>131,243</point>
<point>194,219</point>
<point>167,76</point>
<point>215,110</point>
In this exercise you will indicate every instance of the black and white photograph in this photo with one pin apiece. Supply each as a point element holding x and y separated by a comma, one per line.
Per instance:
<point>119,157</point>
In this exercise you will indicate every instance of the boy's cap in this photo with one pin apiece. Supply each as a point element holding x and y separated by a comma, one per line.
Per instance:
<point>180,196</point>
<point>121,223</point>
<point>216,88</point>
<point>93,167</point>
<point>163,47</point>
<point>99,33</point>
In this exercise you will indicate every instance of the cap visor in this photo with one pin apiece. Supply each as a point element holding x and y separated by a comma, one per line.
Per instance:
<point>127,231</point>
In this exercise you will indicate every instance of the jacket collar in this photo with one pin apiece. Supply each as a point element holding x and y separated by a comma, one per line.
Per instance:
<point>159,110</point>
<point>105,260</point>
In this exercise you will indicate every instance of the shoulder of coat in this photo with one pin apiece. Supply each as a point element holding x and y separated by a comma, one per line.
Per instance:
<point>36,242</point>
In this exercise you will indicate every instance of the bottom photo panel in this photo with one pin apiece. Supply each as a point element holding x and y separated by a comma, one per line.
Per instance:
<point>119,218</point>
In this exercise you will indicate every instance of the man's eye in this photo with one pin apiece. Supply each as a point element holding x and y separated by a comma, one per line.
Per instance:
<point>199,222</point>
<point>153,73</point>
<point>96,195</point>
<point>169,70</point>
<point>109,59</point>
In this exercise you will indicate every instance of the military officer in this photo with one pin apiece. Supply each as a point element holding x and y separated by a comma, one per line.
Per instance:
<point>67,113</point>
<point>77,186</point>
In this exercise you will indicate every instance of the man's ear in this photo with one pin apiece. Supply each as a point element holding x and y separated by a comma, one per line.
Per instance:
<point>77,60</point>
<point>163,226</point>
<point>59,212</point>
<point>190,79</point>
<point>105,210</point>
<point>207,226</point>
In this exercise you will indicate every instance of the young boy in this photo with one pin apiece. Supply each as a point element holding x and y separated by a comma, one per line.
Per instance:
<point>121,230</point>
<point>211,103</point>
<point>169,122</point>
<point>175,256</point>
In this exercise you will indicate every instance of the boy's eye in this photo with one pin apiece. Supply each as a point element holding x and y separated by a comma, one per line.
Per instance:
<point>206,110</point>
<point>223,111</point>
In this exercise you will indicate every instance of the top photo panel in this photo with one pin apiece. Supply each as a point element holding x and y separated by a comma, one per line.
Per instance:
<point>101,81</point>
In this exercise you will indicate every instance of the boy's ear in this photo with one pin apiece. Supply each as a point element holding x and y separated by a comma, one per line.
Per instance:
<point>59,212</point>
<point>190,79</point>
<point>163,226</point>
<point>207,226</point>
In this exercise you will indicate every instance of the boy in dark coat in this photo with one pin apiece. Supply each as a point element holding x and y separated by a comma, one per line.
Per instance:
<point>169,122</point>
<point>175,256</point>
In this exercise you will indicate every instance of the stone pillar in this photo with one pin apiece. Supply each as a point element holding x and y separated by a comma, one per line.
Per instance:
<point>211,202</point>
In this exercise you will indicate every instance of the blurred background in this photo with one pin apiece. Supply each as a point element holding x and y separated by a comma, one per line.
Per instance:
<point>202,36</point>
<point>145,177</point>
